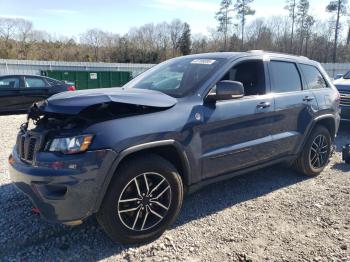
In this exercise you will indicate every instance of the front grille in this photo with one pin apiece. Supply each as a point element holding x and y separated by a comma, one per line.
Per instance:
<point>28,144</point>
<point>345,98</point>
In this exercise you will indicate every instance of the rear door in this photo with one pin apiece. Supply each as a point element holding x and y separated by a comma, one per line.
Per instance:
<point>34,89</point>
<point>317,84</point>
<point>294,105</point>
<point>10,97</point>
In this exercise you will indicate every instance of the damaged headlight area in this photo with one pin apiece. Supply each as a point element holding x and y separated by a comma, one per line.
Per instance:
<point>70,145</point>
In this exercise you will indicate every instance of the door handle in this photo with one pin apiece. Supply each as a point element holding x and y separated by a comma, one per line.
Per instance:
<point>263,105</point>
<point>308,98</point>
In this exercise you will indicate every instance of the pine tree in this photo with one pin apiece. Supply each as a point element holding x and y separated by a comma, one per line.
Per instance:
<point>338,7</point>
<point>304,21</point>
<point>185,40</point>
<point>243,10</point>
<point>224,19</point>
<point>291,7</point>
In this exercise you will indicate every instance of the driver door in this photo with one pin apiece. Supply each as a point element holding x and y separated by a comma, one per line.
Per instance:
<point>237,133</point>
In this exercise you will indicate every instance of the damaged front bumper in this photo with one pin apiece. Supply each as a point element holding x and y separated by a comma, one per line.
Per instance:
<point>65,188</point>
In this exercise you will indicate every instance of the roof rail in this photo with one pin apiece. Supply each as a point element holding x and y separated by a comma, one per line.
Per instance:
<point>280,53</point>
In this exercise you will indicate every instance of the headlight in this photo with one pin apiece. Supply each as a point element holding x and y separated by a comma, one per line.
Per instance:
<point>70,145</point>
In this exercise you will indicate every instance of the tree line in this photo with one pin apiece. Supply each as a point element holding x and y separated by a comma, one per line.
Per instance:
<point>298,33</point>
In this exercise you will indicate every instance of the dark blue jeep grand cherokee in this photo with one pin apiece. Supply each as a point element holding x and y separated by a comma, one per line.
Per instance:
<point>130,154</point>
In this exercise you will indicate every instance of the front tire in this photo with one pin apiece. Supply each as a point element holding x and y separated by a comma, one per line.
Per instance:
<point>143,199</point>
<point>316,152</point>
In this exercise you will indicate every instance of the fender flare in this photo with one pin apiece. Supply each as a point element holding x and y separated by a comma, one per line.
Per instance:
<point>137,148</point>
<point>313,124</point>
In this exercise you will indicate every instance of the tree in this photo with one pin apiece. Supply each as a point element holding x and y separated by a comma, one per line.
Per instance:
<point>291,7</point>
<point>222,16</point>
<point>243,10</point>
<point>338,7</point>
<point>304,21</point>
<point>94,38</point>
<point>348,39</point>
<point>175,27</point>
<point>309,22</point>
<point>24,31</point>
<point>185,40</point>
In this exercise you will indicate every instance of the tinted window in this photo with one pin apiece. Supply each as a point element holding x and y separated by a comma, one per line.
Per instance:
<point>313,77</point>
<point>9,82</point>
<point>34,82</point>
<point>251,74</point>
<point>285,77</point>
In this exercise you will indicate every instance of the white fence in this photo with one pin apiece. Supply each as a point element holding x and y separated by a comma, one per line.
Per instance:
<point>334,69</point>
<point>12,67</point>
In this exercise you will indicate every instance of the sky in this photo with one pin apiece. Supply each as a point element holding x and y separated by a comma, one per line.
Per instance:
<point>72,17</point>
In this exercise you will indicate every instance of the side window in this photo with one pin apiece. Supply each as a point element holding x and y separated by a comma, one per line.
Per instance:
<point>285,77</point>
<point>251,74</point>
<point>313,77</point>
<point>34,82</point>
<point>9,82</point>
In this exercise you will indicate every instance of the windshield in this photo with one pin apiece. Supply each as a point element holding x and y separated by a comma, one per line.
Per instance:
<point>347,75</point>
<point>177,77</point>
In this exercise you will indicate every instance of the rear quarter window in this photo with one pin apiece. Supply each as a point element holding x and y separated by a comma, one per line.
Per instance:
<point>313,77</point>
<point>285,77</point>
<point>54,82</point>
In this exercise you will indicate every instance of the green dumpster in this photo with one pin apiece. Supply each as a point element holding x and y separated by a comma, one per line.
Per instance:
<point>90,79</point>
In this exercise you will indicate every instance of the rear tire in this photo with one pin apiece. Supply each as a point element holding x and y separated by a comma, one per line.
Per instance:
<point>316,152</point>
<point>134,209</point>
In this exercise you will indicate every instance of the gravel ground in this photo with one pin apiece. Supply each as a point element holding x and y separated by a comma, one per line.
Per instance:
<point>273,214</point>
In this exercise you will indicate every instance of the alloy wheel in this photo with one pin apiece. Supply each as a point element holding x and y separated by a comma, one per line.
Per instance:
<point>319,152</point>
<point>144,201</point>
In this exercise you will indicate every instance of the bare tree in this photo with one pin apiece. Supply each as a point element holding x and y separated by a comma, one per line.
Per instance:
<point>94,38</point>
<point>176,27</point>
<point>8,29</point>
<point>24,31</point>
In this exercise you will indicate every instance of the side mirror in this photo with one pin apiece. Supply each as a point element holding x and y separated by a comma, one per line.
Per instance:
<point>226,90</point>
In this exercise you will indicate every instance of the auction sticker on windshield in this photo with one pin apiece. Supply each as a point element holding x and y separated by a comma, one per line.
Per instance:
<point>203,61</point>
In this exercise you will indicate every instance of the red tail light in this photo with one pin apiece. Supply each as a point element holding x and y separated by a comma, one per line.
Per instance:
<point>71,88</point>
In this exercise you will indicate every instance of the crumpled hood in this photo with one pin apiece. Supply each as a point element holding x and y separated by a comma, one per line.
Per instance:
<point>342,84</point>
<point>74,102</point>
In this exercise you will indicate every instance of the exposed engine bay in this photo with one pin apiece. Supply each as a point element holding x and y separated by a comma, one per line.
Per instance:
<point>90,115</point>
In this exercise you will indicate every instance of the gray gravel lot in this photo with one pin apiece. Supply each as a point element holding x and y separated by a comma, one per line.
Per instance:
<point>273,214</point>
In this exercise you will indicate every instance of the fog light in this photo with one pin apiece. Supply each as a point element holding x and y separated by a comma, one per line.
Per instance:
<point>346,153</point>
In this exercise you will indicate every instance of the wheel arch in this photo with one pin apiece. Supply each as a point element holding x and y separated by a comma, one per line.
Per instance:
<point>329,122</point>
<point>168,149</point>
